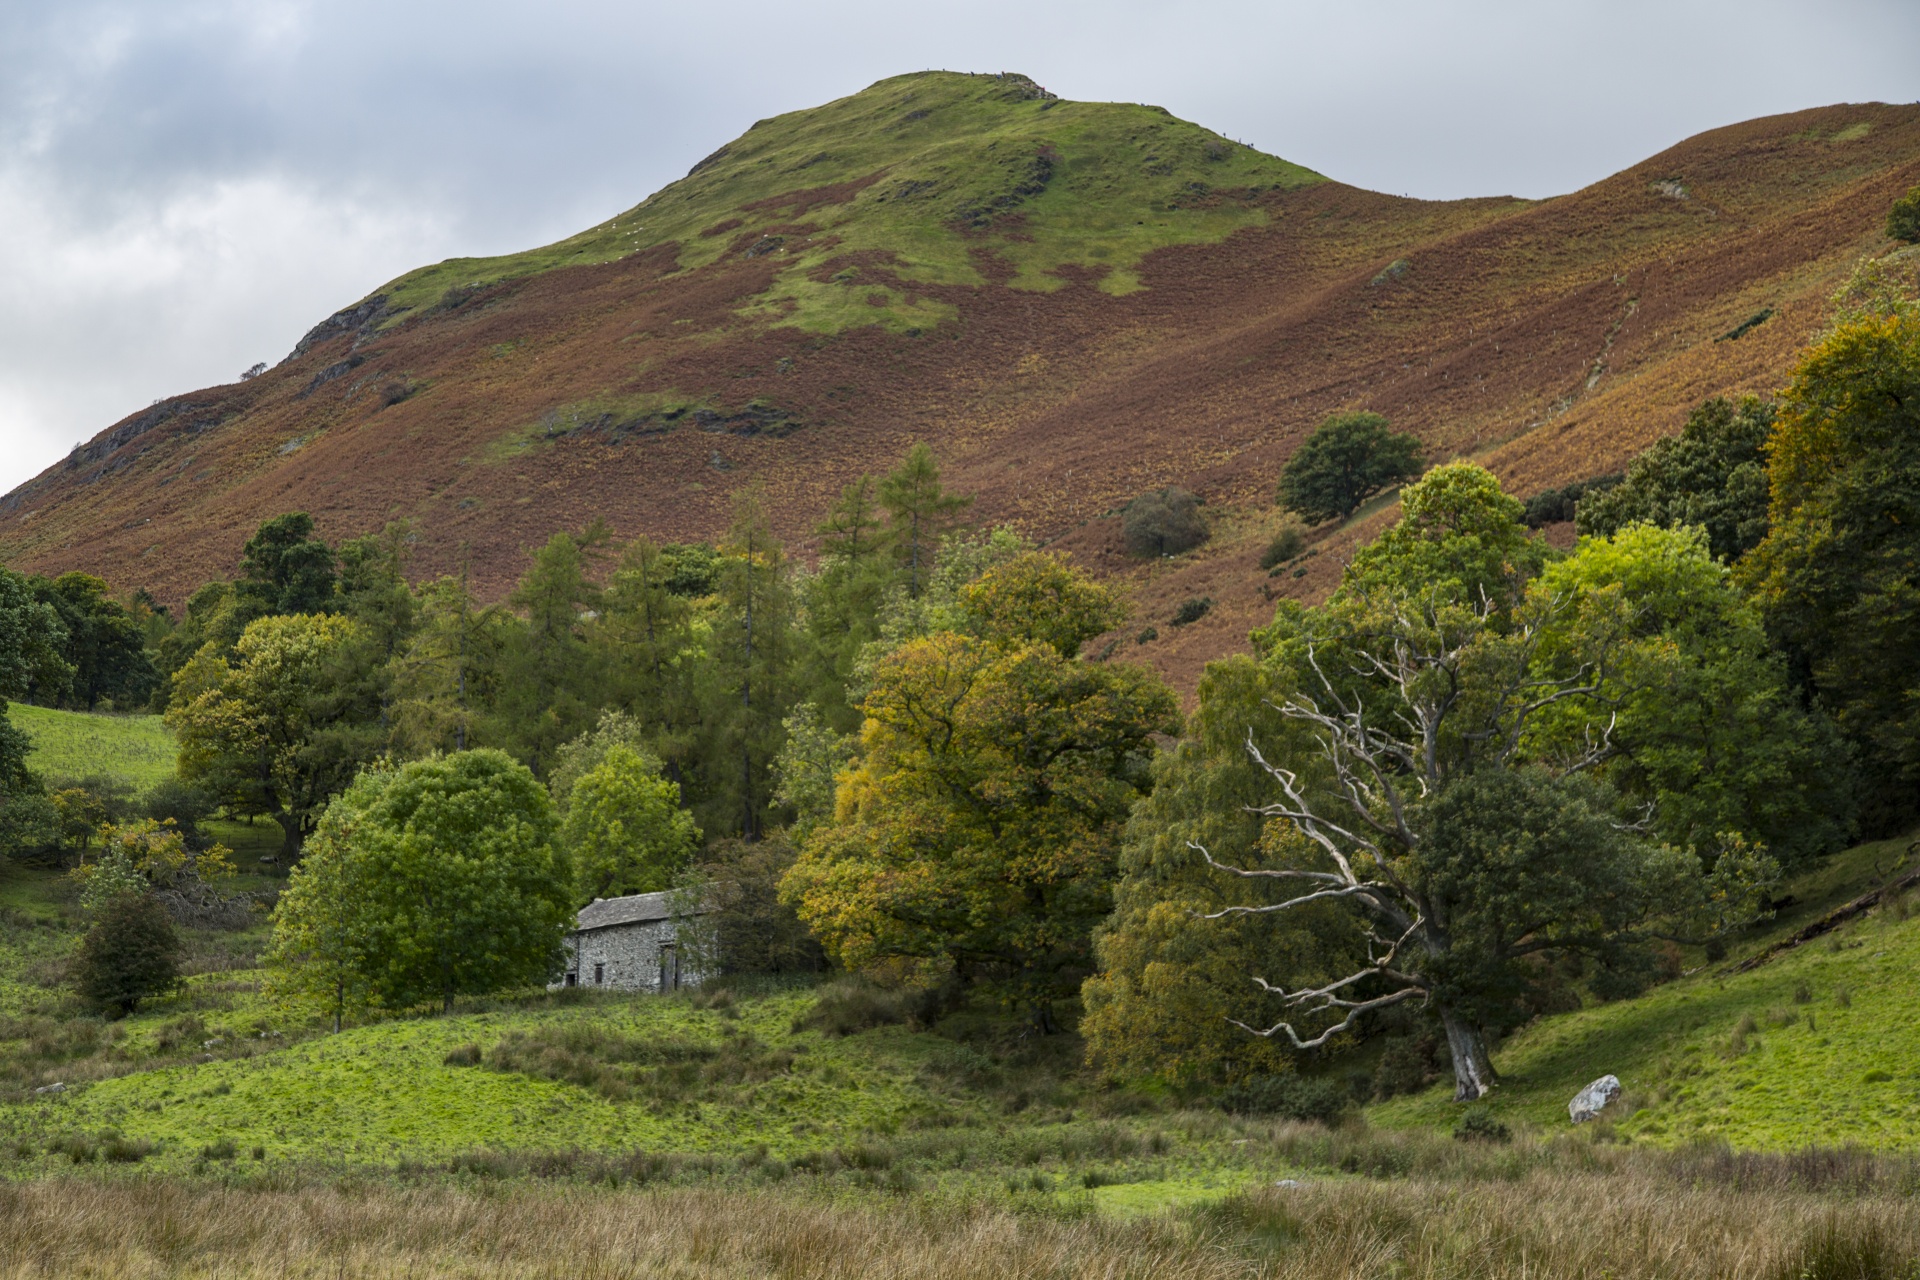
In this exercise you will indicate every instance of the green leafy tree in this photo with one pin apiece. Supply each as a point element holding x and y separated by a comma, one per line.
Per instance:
<point>1835,578</point>
<point>1348,458</point>
<point>1903,219</point>
<point>437,880</point>
<point>625,830</point>
<point>807,769</point>
<point>1703,721</point>
<point>977,833</point>
<point>919,511</point>
<point>574,760</point>
<point>277,731</point>
<point>130,954</point>
<point>105,649</point>
<point>1444,710</point>
<point>284,569</point>
<point>1713,474</point>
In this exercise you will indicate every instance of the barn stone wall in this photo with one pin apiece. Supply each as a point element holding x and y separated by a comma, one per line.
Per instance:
<point>627,956</point>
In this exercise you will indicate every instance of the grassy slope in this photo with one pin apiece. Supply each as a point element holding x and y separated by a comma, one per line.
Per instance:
<point>1818,1066</point>
<point>384,1093</point>
<point>897,169</point>
<point>74,744</point>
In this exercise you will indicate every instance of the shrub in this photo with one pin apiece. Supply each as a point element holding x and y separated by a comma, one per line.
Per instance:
<point>1408,1064</point>
<point>1192,610</point>
<point>851,1006</point>
<point>1479,1126</point>
<point>118,1150</point>
<point>1903,219</point>
<point>221,1150</point>
<point>466,1055</point>
<point>1287,1097</point>
<point>1552,506</point>
<point>1163,523</point>
<point>1348,458</point>
<point>130,954</point>
<point>1147,634</point>
<point>394,392</point>
<point>1286,544</point>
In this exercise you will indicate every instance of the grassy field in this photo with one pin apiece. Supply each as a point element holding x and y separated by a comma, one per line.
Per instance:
<point>139,750</point>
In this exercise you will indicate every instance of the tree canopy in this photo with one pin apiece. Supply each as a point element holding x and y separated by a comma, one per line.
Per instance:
<point>1348,458</point>
<point>434,880</point>
<point>1713,474</point>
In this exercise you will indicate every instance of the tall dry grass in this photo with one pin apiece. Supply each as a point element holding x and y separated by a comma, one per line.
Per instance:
<point>1548,1225</point>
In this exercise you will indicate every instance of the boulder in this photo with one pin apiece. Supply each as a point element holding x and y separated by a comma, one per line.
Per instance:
<point>1590,1101</point>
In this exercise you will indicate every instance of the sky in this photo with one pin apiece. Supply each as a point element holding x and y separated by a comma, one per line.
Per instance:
<point>187,186</point>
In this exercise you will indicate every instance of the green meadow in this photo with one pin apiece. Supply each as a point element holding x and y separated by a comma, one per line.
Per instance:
<point>138,750</point>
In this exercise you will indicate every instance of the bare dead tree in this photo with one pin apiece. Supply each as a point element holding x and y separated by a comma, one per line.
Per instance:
<point>1455,693</point>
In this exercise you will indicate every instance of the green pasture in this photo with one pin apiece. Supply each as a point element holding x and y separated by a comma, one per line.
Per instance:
<point>76,744</point>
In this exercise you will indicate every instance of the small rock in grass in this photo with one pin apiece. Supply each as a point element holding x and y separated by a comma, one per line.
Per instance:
<point>1592,1100</point>
<point>56,1087</point>
<point>1288,1182</point>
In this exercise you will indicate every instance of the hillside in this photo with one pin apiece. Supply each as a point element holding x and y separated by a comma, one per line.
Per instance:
<point>1072,302</point>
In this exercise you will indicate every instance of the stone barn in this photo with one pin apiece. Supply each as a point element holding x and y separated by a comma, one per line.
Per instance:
<point>627,944</point>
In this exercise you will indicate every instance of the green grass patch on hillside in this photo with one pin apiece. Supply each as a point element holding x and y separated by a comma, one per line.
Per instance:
<point>139,750</point>
<point>1818,1046</point>
<point>923,173</point>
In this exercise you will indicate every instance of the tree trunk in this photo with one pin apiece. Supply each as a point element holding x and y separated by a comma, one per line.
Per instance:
<point>290,836</point>
<point>1472,1065</point>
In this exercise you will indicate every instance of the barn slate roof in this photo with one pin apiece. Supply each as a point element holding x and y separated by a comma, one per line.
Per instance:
<point>635,908</point>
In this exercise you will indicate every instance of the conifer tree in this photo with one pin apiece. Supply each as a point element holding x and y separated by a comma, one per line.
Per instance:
<point>918,512</point>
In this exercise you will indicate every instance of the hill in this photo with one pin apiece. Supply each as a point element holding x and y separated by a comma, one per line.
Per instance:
<point>1072,302</point>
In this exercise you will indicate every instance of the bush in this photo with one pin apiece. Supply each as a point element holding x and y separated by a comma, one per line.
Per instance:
<point>1408,1064</point>
<point>118,1150</point>
<point>466,1055</point>
<point>1163,523</point>
<point>1348,458</point>
<point>1553,506</point>
<point>130,954</point>
<point>1479,1126</point>
<point>1192,610</point>
<point>1286,544</point>
<point>224,1149</point>
<point>1903,220</point>
<point>1147,635</point>
<point>1288,1097</point>
<point>852,1005</point>
<point>187,805</point>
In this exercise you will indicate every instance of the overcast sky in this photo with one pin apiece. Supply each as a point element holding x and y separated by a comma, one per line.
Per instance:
<point>187,185</point>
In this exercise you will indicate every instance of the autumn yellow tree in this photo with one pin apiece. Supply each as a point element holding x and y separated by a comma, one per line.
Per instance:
<point>977,831</point>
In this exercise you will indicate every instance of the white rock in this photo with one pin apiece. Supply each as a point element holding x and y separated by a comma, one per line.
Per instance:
<point>1287,1182</point>
<point>1589,1102</point>
<point>55,1087</point>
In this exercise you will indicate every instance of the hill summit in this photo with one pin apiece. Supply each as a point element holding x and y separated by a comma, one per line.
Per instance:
<point>1073,303</point>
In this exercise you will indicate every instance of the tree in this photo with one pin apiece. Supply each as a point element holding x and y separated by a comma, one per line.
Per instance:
<point>732,918</point>
<point>625,830</point>
<point>1163,523</point>
<point>1037,597</point>
<point>276,732</point>
<point>445,680</point>
<point>31,636</point>
<point>750,673</point>
<point>435,880</point>
<point>646,644</point>
<point>978,831</point>
<point>918,512</point>
<point>1705,726</point>
<point>548,670</point>
<point>1713,474</point>
<point>1171,993</point>
<point>104,649</point>
<point>130,954</point>
<point>1903,219</point>
<point>1835,578</point>
<point>1436,793</point>
<point>284,569</point>
<point>845,598</point>
<point>1348,458</point>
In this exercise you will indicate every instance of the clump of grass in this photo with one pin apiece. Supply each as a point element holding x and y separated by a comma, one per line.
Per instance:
<point>222,1149</point>
<point>850,1006</point>
<point>1478,1125</point>
<point>465,1055</point>
<point>657,1070</point>
<point>1858,1250</point>
<point>118,1150</point>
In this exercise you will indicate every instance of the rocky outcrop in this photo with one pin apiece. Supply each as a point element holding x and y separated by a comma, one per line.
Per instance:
<point>1593,1099</point>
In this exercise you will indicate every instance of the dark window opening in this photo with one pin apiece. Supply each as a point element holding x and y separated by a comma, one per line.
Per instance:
<point>573,979</point>
<point>599,974</point>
